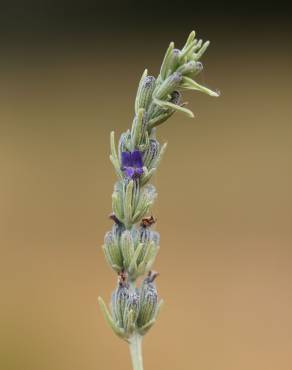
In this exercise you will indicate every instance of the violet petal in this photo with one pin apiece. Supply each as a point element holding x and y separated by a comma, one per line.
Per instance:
<point>138,172</point>
<point>126,159</point>
<point>129,171</point>
<point>137,159</point>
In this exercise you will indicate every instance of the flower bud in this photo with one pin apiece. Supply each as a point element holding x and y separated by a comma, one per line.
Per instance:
<point>165,63</point>
<point>145,91</point>
<point>159,116</point>
<point>127,247</point>
<point>167,87</point>
<point>175,97</point>
<point>148,302</point>
<point>131,312</point>
<point>146,199</point>
<point>155,237</point>
<point>150,246</point>
<point>128,203</point>
<point>138,128</point>
<point>147,235</point>
<point>124,143</point>
<point>118,201</point>
<point>202,50</point>
<point>150,256</point>
<point>191,68</point>
<point>173,61</point>
<point>117,231</point>
<point>119,302</point>
<point>112,250</point>
<point>151,153</point>
<point>125,306</point>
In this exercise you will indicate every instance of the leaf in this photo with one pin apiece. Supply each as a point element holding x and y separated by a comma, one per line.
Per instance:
<point>127,247</point>
<point>200,53</point>
<point>160,156</point>
<point>130,322</point>
<point>190,39</point>
<point>118,331</point>
<point>167,104</point>
<point>159,307</point>
<point>188,50</point>
<point>164,66</point>
<point>198,45</point>
<point>146,200</point>
<point>156,121</point>
<point>133,264</point>
<point>116,166</point>
<point>139,88</point>
<point>117,204</point>
<point>128,203</point>
<point>147,176</point>
<point>113,157</point>
<point>190,84</point>
<point>154,249</point>
<point>109,259</point>
<point>143,330</point>
<point>137,128</point>
<point>113,145</point>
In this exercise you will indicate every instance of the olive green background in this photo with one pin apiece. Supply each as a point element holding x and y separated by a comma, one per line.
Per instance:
<point>224,207</point>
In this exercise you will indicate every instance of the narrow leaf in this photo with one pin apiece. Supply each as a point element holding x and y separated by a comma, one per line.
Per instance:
<point>167,104</point>
<point>133,264</point>
<point>200,53</point>
<point>190,84</point>
<point>161,153</point>
<point>128,203</point>
<point>137,128</point>
<point>154,122</point>
<point>164,66</point>
<point>190,39</point>
<point>127,247</point>
<point>139,88</point>
<point>118,331</point>
<point>143,330</point>
<point>113,157</point>
<point>147,176</point>
<point>188,50</point>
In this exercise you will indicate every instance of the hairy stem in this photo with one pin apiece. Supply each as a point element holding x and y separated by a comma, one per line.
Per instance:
<point>136,351</point>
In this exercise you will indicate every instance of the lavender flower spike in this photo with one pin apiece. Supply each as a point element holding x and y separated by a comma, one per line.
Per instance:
<point>130,251</point>
<point>132,164</point>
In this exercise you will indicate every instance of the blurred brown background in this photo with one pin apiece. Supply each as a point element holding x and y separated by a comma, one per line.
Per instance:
<point>68,75</point>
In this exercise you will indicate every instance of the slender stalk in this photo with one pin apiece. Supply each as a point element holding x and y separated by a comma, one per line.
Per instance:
<point>136,351</point>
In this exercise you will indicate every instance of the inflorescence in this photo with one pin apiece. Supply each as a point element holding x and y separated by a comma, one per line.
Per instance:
<point>131,246</point>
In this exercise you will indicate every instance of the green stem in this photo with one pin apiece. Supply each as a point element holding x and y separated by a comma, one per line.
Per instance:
<point>136,351</point>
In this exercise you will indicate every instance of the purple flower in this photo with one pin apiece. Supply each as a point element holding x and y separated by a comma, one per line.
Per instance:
<point>132,164</point>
